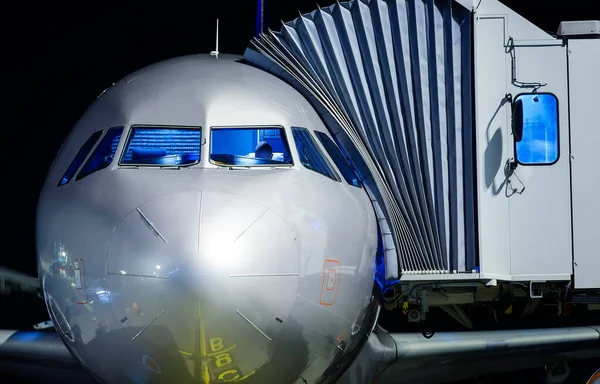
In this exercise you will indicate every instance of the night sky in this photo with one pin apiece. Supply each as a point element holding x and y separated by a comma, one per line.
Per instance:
<point>57,59</point>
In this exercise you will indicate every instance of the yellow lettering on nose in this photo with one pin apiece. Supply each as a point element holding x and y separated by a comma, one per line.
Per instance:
<point>219,355</point>
<point>229,375</point>
<point>223,359</point>
<point>216,344</point>
<point>234,346</point>
<point>247,376</point>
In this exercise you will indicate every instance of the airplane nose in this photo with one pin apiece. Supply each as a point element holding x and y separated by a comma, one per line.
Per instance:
<point>219,271</point>
<point>211,232</point>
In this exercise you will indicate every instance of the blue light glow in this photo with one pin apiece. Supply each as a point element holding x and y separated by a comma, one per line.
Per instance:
<point>338,158</point>
<point>24,336</point>
<point>348,159</point>
<point>259,17</point>
<point>249,147</point>
<point>539,144</point>
<point>79,157</point>
<point>310,155</point>
<point>104,153</point>
<point>380,265</point>
<point>162,146</point>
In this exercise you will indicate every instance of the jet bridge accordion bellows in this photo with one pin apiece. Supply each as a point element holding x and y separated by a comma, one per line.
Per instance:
<point>392,82</point>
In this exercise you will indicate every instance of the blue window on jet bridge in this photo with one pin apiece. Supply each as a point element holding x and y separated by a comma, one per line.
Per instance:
<point>104,153</point>
<point>310,154</point>
<point>162,146</point>
<point>249,147</point>
<point>79,158</point>
<point>540,136</point>
<point>339,159</point>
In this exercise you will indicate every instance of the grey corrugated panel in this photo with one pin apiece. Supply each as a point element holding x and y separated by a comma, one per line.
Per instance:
<point>335,127</point>
<point>392,80</point>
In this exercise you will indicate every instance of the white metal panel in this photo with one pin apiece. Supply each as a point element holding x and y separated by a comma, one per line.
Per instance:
<point>579,28</point>
<point>519,27</point>
<point>522,236</point>
<point>492,138</point>
<point>540,213</point>
<point>584,84</point>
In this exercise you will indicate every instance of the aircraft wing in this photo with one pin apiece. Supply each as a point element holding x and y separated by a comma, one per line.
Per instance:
<point>15,281</point>
<point>450,356</point>
<point>40,356</point>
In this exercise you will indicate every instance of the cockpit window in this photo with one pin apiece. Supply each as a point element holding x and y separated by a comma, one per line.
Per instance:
<point>249,147</point>
<point>162,146</point>
<point>104,153</point>
<point>310,154</point>
<point>338,158</point>
<point>79,158</point>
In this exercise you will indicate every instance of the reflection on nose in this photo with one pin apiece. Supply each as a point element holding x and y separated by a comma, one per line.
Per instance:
<point>218,232</point>
<point>217,271</point>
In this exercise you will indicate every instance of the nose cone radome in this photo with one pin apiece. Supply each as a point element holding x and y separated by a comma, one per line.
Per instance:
<point>213,232</point>
<point>213,273</point>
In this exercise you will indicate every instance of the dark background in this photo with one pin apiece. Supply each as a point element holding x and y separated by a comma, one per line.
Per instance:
<point>57,59</point>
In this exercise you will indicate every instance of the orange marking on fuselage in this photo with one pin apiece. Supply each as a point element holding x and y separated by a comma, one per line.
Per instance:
<point>336,281</point>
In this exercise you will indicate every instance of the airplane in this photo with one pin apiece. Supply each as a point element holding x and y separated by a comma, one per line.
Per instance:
<point>205,222</point>
<point>595,378</point>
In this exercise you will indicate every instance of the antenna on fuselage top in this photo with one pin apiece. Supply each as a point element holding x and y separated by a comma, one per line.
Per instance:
<point>216,51</point>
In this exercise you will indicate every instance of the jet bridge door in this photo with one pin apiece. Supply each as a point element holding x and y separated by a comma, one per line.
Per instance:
<point>584,85</point>
<point>538,189</point>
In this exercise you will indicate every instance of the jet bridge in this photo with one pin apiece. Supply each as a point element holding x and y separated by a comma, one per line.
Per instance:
<point>423,96</point>
<point>392,81</point>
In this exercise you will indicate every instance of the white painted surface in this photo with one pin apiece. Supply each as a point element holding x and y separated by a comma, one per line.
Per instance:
<point>584,61</point>
<point>540,216</point>
<point>523,236</point>
<point>492,138</point>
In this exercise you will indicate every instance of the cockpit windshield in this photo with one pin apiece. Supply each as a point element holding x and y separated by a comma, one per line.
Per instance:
<point>249,147</point>
<point>162,146</point>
